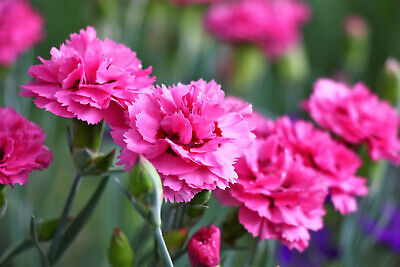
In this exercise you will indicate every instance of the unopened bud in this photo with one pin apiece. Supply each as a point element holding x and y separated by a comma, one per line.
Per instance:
<point>46,229</point>
<point>104,162</point>
<point>175,239</point>
<point>120,252</point>
<point>197,206</point>
<point>390,82</point>
<point>3,200</point>
<point>86,135</point>
<point>144,184</point>
<point>357,44</point>
<point>83,158</point>
<point>293,65</point>
<point>201,198</point>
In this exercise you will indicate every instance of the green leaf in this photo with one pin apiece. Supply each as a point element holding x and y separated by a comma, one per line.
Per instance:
<point>35,241</point>
<point>79,222</point>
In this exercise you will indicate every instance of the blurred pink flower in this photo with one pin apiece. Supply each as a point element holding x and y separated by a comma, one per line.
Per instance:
<point>88,79</point>
<point>274,25</point>
<point>21,148</point>
<point>20,28</point>
<point>189,135</point>
<point>284,178</point>
<point>356,26</point>
<point>204,247</point>
<point>357,116</point>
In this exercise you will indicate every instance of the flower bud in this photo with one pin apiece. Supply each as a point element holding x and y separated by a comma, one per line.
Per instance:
<point>86,135</point>
<point>144,185</point>
<point>390,81</point>
<point>83,158</point>
<point>293,65</point>
<point>201,198</point>
<point>46,229</point>
<point>197,206</point>
<point>357,44</point>
<point>204,247</point>
<point>175,239</point>
<point>120,252</point>
<point>3,200</point>
<point>104,162</point>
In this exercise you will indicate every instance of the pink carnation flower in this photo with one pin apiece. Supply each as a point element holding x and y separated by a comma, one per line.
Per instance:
<point>274,25</point>
<point>21,148</point>
<point>204,247</point>
<point>20,28</point>
<point>88,79</point>
<point>189,135</point>
<point>357,116</point>
<point>285,177</point>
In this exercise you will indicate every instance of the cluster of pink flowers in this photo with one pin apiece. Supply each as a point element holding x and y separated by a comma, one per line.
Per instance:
<point>188,133</point>
<point>204,247</point>
<point>273,25</point>
<point>285,177</point>
<point>88,79</point>
<point>357,116</point>
<point>20,28</point>
<point>21,148</point>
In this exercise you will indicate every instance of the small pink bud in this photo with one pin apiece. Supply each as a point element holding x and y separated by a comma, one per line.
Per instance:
<point>356,26</point>
<point>204,247</point>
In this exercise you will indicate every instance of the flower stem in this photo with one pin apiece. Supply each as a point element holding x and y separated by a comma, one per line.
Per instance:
<point>162,247</point>
<point>64,217</point>
<point>9,254</point>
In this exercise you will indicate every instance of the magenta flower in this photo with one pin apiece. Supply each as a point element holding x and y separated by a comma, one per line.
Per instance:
<point>20,28</point>
<point>357,116</point>
<point>285,177</point>
<point>188,133</point>
<point>88,79</point>
<point>204,247</point>
<point>274,25</point>
<point>21,148</point>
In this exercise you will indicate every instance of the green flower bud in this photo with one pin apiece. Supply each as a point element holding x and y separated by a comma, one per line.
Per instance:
<point>201,198</point>
<point>390,81</point>
<point>144,185</point>
<point>175,239</point>
<point>357,44</point>
<point>46,229</point>
<point>83,158</point>
<point>120,253</point>
<point>293,66</point>
<point>86,135</point>
<point>3,200</point>
<point>104,162</point>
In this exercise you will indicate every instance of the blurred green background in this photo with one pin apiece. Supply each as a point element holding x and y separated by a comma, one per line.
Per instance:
<point>170,38</point>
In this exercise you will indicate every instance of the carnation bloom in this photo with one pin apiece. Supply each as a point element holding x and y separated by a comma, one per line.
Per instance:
<point>357,116</point>
<point>20,28</point>
<point>275,25</point>
<point>204,246</point>
<point>88,79</point>
<point>21,148</point>
<point>190,136</point>
<point>284,178</point>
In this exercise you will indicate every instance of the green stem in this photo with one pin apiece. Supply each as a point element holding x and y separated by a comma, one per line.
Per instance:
<point>35,241</point>
<point>162,247</point>
<point>64,217</point>
<point>9,254</point>
<point>80,221</point>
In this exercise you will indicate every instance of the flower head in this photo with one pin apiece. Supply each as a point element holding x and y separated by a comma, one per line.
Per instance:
<point>274,25</point>
<point>284,178</point>
<point>204,246</point>
<point>20,28</point>
<point>357,116</point>
<point>190,136</point>
<point>88,79</point>
<point>21,148</point>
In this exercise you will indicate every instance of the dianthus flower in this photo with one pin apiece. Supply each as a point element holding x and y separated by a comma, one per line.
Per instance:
<point>204,247</point>
<point>20,28</point>
<point>357,116</point>
<point>284,178</point>
<point>274,25</point>
<point>88,79</point>
<point>188,134</point>
<point>21,148</point>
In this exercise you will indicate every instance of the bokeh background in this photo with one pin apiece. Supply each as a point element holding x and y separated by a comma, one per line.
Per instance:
<point>171,39</point>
